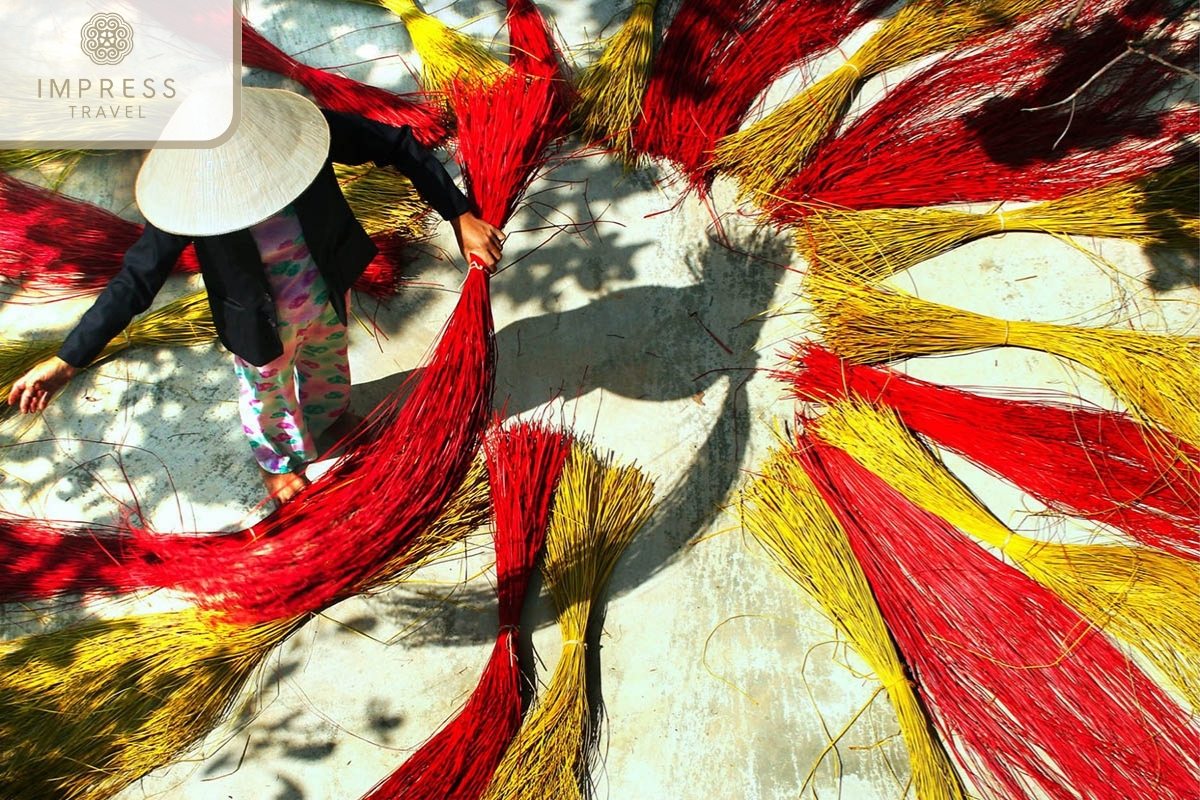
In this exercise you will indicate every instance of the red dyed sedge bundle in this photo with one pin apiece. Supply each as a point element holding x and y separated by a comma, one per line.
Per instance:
<point>706,76</point>
<point>524,462</point>
<point>1015,118</point>
<point>1032,699</point>
<point>339,93</point>
<point>1077,460</point>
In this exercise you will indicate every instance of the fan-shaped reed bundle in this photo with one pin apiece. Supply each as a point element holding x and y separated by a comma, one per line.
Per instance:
<point>784,512</point>
<point>874,244</point>
<point>1155,375</point>
<point>185,322</point>
<point>1147,599</point>
<point>1034,701</point>
<point>446,55</point>
<point>764,155</point>
<point>385,202</point>
<point>92,707</point>
<point>1076,459</point>
<point>524,463</point>
<point>1018,117</point>
<point>717,58</point>
<point>598,508</point>
<point>55,164</point>
<point>49,559</point>
<point>339,93</point>
<point>610,90</point>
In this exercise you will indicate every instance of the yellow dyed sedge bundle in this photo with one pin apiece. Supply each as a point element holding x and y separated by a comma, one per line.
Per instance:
<point>610,91</point>
<point>90,708</point>
<point>185,322</point>
<point>446,54</point>
<point>56,165</point>
<point>1155,375</point>
<point>784,512</point>
<point>385,201</point>
<point>762,156</point>
<point>874,244</point>
<point>598,507</point>
<point>1146,598</point>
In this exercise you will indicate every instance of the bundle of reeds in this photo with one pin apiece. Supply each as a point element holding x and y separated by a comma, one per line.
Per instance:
<point>717,57</point>
<point>598,508</point>
<point>55,165</point>
<point>1034,702</point>
<point>51,559</point>
<point>532,49</point>
<point>1147,599</point>
<point>447,56</point>
<point>385,202</point>
<point>1078,460</point>
<point>185,322</point>
<point>784,512</point>
<point>524,463</point>
<point>874,244</point>
<point>92,707</point>
<point>1155,375</point>
<point>610,90</point>
<point>1033,114</point>
<point>339,93</point>
<point>505,130</point>
<point>770,151</point>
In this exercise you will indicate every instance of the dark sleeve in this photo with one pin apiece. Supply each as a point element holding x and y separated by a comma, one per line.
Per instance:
<point>357,140</point>
<point>144,270</point>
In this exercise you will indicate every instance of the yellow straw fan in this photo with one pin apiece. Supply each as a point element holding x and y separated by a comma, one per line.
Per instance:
<point>611,90</point>
<point>93,707</point>
<point>446,54</point>
<point>598,507</point>
<point>873,244</point>
<point>1145,598</point>
<point>384,201</point>
<point>762,156</point>
<point>784,511</point>
<point>1155,375</point>
<point>185,322</point>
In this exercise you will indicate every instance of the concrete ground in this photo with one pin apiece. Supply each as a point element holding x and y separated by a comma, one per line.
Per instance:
<point>650,331</point>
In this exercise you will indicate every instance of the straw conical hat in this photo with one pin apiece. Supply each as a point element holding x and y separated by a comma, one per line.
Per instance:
<point>272,156</point>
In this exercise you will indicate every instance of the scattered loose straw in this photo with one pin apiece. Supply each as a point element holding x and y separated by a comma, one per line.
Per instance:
<point>446,54</point>
<point>873,244</point>
<point>597,510</point>
<point>90,708</point>
<point>55,164</point>
<point>1033,700</point>
<point>1156,375</point>
<point>783,510</point>
<point>770,151</point>
<point>185,322</point>
<point>1145,598</point>
<point>610,90</point>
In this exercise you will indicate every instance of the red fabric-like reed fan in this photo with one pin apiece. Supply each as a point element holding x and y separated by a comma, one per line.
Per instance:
<point>1033,701</point>
<point>532,48</point>
<point>36,256</point>
<point>717,58</point>
<point>1002,121</point>
<point>339,93</point>
<point>1077,460</point>
<point>395,478</point>
<point>505,127</point>
<point>524,461</point>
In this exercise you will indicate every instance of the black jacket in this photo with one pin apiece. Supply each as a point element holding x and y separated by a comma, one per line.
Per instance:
<point>238,292</point>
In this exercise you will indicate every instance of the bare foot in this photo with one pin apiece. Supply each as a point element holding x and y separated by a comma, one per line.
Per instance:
<point>284,486</point>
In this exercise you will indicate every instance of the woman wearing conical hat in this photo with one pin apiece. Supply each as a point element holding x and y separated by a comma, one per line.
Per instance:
<point>278,248</point>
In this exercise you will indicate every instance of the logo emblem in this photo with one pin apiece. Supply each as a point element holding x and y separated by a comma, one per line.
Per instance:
<point>106,38</point>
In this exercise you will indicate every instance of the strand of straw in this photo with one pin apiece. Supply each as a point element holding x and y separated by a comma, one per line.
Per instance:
<point>784,512</point>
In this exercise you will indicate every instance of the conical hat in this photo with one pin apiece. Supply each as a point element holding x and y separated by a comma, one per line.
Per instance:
<point>277,149</point>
